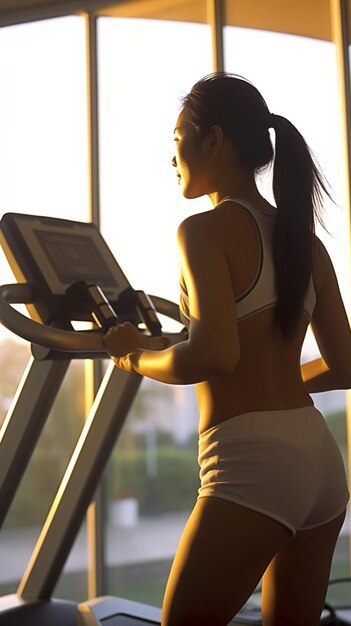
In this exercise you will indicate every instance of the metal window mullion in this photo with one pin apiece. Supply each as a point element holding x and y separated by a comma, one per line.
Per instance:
<point>215,19</point>
<point>92,118</point>
<point>97,572</point>
<point>339,22</point>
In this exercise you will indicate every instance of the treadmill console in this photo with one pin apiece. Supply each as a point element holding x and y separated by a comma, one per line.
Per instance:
<point>53,255</point>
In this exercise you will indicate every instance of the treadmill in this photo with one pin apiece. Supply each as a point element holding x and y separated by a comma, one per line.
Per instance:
<point>66,272</point>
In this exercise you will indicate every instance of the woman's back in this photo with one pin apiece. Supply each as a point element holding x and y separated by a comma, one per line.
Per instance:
<point>267,375</point>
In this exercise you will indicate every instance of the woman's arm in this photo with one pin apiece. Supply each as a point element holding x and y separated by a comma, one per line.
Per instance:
<point>332,332</point>
<point>212,347</point>
<point>318,377</point>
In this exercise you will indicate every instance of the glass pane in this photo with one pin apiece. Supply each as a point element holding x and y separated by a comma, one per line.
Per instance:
<point>43,152</point>
<point>139,102</point>
<point>141,209</point>
<point>40,482</point>
<point>297,77</point>
<point>43,161</point>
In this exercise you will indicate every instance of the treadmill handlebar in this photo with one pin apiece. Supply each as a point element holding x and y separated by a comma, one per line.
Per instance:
<point>48,336</point>
<point>69,341</point>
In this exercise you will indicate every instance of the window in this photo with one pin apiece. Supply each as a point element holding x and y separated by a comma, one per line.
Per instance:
<point>290,71</point>
<point>44,172</point>
<point>145,65</point>
<point>141,207</point>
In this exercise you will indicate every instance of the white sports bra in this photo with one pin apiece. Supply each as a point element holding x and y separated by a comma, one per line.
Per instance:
<point>261,293</point>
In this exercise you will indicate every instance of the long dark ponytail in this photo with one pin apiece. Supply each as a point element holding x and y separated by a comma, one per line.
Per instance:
<point>298,188</point>
<point>237,106</point>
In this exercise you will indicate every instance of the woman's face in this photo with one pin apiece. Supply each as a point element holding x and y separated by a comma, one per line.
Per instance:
<point>190,159</point>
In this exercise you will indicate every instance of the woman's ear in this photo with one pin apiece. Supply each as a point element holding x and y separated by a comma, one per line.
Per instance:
<point>215,139</point>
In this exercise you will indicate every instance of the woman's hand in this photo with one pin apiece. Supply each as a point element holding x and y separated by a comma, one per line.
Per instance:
<point>124,340</point>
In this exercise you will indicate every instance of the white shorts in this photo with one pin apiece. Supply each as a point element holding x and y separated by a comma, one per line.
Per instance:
<point>284,464</point>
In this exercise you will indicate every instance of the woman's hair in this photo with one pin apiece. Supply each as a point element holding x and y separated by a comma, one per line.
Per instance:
<point>234,104</point>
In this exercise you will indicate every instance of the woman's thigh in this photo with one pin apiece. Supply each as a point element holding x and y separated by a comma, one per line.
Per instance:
<point>295,583</point>
<point>222,555</point>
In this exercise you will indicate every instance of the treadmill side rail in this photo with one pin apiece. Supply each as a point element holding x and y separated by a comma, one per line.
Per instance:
<point>24,422</point>
<point>101,429</point>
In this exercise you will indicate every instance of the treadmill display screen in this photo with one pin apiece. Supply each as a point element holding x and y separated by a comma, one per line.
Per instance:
<point>75,257</point>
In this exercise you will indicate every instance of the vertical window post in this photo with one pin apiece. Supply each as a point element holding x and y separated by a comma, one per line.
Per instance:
<point>93,369</point>
<point>92,117</point>
<point>340,16</point>
<point>215,19</point>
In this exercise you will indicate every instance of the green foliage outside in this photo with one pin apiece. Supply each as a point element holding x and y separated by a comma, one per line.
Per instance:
<point>172,488</point>
<point>55,445</point>
<point>337,425</point>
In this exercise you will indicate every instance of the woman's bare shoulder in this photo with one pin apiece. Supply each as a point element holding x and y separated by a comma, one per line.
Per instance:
<point>322,263</point>
<point>229,215</point>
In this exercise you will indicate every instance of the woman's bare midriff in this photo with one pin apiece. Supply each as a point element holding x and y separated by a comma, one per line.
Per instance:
<point>267,376</point>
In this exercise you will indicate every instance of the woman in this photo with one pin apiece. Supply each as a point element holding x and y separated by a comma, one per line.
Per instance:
<point>253,276</point>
